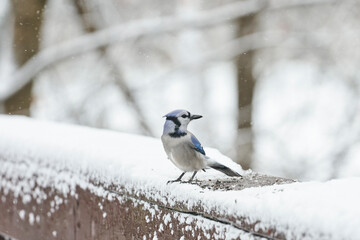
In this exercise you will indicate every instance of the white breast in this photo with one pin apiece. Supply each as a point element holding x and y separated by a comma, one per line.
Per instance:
<point>182,155</point>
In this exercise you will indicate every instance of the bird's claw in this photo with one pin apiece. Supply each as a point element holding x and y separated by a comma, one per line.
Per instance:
<point>172,181</point>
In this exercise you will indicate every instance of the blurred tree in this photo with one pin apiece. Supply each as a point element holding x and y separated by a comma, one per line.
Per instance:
<point>245,81</point>
<point>28,19</point>
<point>88,21</point>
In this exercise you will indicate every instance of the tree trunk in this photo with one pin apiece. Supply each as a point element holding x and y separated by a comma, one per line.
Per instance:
<point>245,94</point>
<point>28,18</point>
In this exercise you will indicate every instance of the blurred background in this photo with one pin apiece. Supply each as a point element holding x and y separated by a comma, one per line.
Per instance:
<point>276,81</point>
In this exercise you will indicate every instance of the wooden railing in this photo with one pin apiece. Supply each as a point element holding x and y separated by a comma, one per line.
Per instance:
<point>66,182</point>
<point>119,215</point>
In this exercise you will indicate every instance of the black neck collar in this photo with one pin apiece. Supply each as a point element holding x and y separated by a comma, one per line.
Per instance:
<point>177,134</point>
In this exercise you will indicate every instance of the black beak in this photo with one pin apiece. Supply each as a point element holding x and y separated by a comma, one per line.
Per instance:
<point>195,117</point>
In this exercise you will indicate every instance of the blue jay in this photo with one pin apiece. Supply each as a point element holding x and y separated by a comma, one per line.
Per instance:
<point>183,148</point>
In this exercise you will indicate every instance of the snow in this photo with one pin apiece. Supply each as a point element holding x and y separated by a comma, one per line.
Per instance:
<point>22,214</point>
<point>64,156</point>
<point>37,219</point>
<point>31,218</point>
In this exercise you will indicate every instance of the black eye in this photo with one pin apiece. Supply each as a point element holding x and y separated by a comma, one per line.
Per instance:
<point>184,116</point>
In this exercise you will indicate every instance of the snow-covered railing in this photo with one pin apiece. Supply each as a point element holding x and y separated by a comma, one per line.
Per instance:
<point>68,182</point>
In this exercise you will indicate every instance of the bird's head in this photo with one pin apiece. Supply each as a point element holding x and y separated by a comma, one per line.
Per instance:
<point>177,120</point>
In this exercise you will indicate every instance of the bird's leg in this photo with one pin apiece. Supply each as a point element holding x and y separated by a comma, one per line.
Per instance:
<point>178,179</point>
<point>192,177</point>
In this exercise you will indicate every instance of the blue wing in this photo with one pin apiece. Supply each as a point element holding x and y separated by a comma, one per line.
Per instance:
<point>197,145</point>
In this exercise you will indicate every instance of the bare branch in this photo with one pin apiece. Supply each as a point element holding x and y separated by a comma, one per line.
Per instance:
<point>227,51</point>
<point>234,48</point>
<point>115,71</point>
<point>143,27</point>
